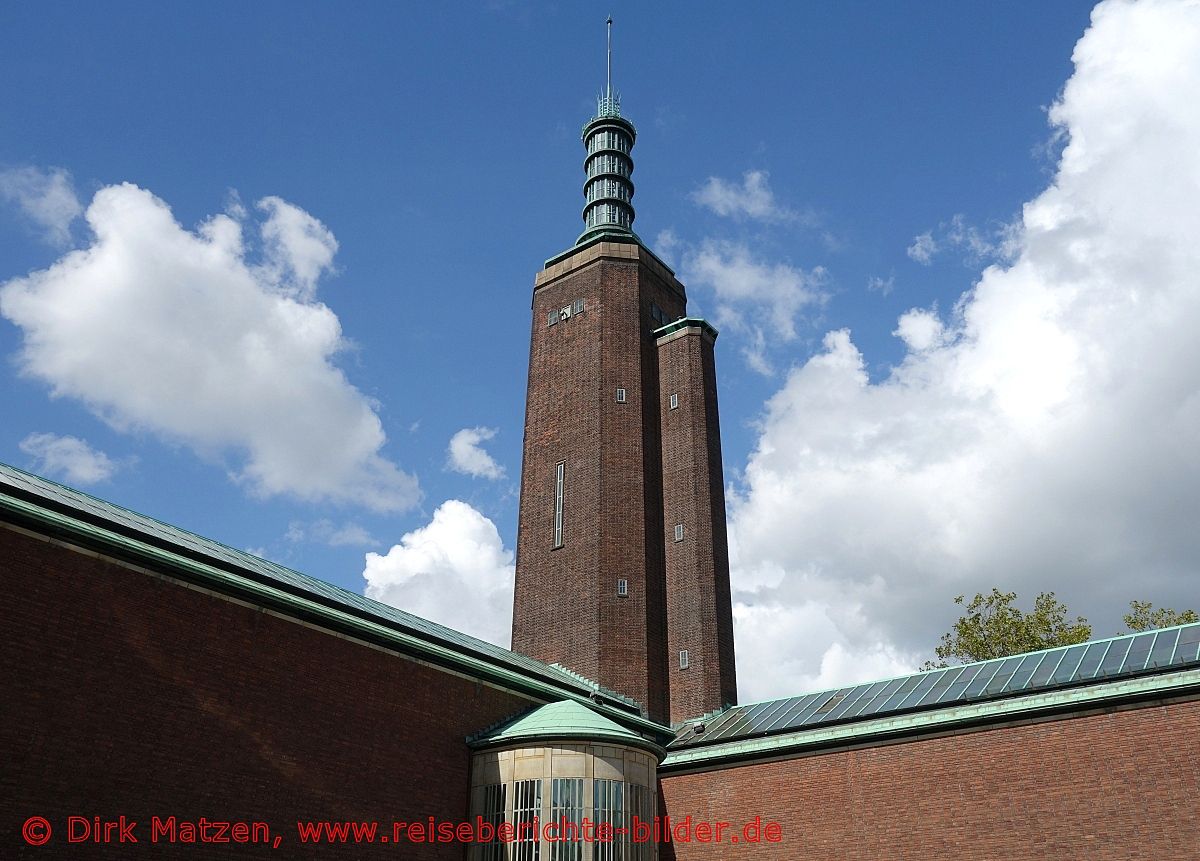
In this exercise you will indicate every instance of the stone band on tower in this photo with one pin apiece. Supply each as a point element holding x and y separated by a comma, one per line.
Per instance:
<point>622,559</point>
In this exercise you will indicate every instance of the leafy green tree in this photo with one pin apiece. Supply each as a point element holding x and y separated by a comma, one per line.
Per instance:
<point>1143,617</point>
<point>994,628</point>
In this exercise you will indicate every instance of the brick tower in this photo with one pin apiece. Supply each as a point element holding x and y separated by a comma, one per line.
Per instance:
<point>622,557</point>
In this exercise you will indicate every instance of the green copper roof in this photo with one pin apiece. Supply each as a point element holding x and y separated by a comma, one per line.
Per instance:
<point>76,517</point>
<point>562,721</point>
<point>686,323</point>
<point>739,750</point>
<point>1066,675</point>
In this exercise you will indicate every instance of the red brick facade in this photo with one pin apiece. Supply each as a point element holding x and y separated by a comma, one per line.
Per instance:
<point>1111,786</point>
<point>699,611</point>
<point>130,693</point>
<point>127,693</point>
<point>567,608</point>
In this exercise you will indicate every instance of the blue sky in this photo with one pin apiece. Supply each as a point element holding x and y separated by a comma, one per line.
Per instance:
<point>807,168</point>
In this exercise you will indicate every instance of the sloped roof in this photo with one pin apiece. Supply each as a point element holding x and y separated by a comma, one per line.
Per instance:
<point>563,721</point>
<point>1067,676</point>
<point>25,497</point>
<point>1154,663</point>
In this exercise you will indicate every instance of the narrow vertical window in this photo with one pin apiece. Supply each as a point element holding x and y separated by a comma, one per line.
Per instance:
<point>683,659</point>
<point>527,810</point>
<point>560,470</point>
<point>639,804</point>
<point>678,531</point>
<point>623,587</point>
<point>610,817</point>
<point>620,396</point>
<point>674,401</point>
<point>552,318</point>
<point>493,813</point>
<point>566,815</point>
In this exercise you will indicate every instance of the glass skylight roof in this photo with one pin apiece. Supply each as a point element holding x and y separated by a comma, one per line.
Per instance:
<point>1020,674</point>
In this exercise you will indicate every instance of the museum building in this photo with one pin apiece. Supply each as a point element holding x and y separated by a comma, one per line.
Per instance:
<point>153,672</point>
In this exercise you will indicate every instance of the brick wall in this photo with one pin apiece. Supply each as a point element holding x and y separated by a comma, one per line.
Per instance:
<point>566,606</point>
<point>699,613</point>
<point>1118,785</point>
<point>123,693</point>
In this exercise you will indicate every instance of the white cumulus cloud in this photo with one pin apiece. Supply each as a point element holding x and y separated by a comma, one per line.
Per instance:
<point>752,198</point>
<point>759,300</point>
<point>454,571</point>
<point>190,336</point>
<point>779,638</point>
<point>297,247</point>
<point>46,197</point>
<point>1042,437</point>
<point>920,329</point>
<point>68,458</point>
<point>467,456</point>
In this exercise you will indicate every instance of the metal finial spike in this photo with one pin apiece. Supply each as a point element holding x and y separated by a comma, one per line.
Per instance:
<point>608,88</point>
<point>608,189</point>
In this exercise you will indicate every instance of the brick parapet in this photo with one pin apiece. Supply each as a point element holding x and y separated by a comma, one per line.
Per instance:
<point>129,692</point>
<point>1109,785</point>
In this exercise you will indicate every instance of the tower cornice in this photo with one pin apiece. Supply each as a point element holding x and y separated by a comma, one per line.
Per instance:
<point>620,247</point>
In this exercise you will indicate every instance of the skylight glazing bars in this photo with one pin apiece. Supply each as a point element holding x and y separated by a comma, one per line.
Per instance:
<point>1188,647</point>
<point>811,703</point>
<point>1114,659</point>
<point>875,703</point>
<point>798,707</point>
<point>1053,668</point>
<point>837,710</point>
<point>1163,650</point>
<point>902,694</point>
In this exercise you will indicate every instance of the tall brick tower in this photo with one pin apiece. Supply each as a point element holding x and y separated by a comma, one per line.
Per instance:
<point>622,557</point>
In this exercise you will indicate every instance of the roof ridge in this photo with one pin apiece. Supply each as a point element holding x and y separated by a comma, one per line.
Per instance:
<point>122,520</point>
<point>592,683</point>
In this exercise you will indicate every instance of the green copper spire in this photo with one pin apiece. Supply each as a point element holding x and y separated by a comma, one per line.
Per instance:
<point>608,103</point>
<point>607,188</point>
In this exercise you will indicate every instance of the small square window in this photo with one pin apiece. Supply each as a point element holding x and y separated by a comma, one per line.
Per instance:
<point>683,659</point>
<point>674,401</point>
<point>565,313</point>
<point>620,396</point>
<point>678,531</point>
<point>552,318</point>
<point>622,587</point>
